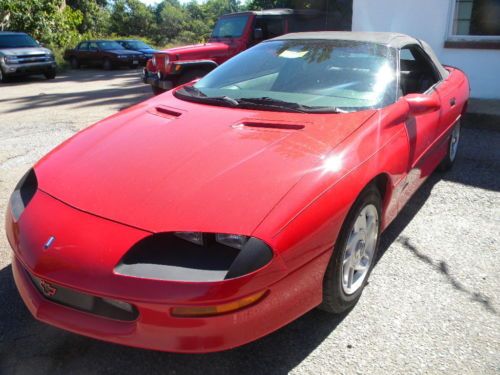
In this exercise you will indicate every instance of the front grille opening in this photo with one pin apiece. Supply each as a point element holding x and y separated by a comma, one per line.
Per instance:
<point>104,307</point>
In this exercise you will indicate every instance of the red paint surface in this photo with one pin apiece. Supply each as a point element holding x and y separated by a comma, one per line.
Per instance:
<point>142,171</point>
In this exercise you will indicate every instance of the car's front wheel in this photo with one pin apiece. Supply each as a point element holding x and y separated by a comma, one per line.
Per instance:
<point>353,254</point>
<point>51,74</point>
<point>451,155</point>
<point>3,78</point>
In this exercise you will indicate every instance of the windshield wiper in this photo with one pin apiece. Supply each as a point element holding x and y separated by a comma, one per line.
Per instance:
<point>296,107</point>
<point>196,95</point>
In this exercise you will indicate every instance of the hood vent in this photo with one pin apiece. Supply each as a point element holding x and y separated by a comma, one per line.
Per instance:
<point>271,125</point>
<point>165,112</point>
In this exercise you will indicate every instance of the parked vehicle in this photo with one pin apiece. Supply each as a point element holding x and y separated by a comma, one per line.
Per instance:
<point>106,53</point>
<point>222,210</point>
<point>232,34</point>
<point>21,55</point>
<point>139,46</point>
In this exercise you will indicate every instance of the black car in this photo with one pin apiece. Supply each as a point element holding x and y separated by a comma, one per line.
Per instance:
<point>106,53</point>
<point>20,54</point>
<point>139,46</point>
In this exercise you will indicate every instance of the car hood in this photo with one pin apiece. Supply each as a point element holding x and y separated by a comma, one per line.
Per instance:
<point>171,165</point>
<point>123,52</point>
<point>197,50</point>
<point>147,50</point>
<point>24,51</point>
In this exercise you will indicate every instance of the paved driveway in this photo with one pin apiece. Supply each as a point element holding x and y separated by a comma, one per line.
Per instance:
<point>432,304</point>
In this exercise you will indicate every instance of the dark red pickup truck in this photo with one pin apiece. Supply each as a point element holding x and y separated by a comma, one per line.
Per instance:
<point>232,34</point>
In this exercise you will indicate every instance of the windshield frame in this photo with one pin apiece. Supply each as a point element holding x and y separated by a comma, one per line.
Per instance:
<point>217,26</point>
<point>26,37</point>
<point>343,92</point>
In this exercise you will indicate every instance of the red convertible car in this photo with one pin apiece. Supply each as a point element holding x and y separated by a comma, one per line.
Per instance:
<point>214,214</point>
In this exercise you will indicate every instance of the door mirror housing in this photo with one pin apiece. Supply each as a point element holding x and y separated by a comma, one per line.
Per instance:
<point>258,34</point>
<point>421,103</point>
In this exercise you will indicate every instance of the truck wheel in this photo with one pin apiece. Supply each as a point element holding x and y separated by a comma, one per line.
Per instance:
<point>51,74</point>
<point>107,64</point>
<point>190,75</point>
<point>158,90</point>
<point>74,63</point>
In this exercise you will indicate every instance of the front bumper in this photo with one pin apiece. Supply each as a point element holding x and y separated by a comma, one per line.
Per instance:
<point>70,264</point>
<point>153,80</point>
<point>28,68</point>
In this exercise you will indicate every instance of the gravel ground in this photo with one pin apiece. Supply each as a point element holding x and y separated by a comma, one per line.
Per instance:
<point>432,304</point>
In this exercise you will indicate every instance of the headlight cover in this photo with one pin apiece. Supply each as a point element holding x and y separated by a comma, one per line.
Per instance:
<point>23,193</point>
<point>169,256</point>
<point>11,60</point>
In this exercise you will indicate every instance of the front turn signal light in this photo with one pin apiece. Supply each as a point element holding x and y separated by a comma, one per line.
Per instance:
<point>200,311</point>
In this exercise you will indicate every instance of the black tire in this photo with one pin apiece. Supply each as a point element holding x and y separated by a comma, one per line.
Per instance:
<point>335,300</point>
<point>451,155</point>
<point>107,65</point>
<point>157,90</point>
<point>190,75</point>
<point>3,78</point>
<point>75,64</point>
<point>51,74</point>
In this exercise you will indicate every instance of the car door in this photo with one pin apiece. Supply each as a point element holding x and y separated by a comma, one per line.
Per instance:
<point>94,55</point>
<point>419,76</point>
<point>83,50</point>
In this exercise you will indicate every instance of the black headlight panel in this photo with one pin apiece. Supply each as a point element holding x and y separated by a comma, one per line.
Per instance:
<point>166,256</point>
<point>23,193</point>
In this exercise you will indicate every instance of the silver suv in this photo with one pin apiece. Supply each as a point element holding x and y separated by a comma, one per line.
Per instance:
<point>20,54</point>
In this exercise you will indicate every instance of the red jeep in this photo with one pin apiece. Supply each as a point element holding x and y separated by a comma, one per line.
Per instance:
<point>233,33</point>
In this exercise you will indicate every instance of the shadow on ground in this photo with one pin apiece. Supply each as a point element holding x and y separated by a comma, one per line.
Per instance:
<point>29,347</point>
<point>129,90</point>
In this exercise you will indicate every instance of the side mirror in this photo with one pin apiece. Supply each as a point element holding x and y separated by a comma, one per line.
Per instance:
<point>421,103</point>
<point>258,34</point>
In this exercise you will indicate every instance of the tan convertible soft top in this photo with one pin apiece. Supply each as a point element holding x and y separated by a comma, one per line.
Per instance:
<point>392,40</point>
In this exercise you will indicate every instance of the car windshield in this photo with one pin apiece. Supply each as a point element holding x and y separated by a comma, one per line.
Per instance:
<point>17,41</point>
<point>303,75</point>
<point>137,44</point>
<point>109,45</point>
<point>230,27</point>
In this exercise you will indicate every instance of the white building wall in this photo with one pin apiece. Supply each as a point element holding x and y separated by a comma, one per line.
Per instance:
<point>429,20</point>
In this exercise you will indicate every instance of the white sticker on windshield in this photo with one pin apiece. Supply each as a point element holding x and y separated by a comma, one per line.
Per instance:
<point>289,54</point>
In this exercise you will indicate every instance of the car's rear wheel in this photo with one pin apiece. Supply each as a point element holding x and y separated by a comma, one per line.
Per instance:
<point>453,144</point>
<point>107,65</point>
<point>74,63</point>
<point>353,254</point>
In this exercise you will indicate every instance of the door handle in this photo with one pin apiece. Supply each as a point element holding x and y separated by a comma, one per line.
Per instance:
<point>453,101</point>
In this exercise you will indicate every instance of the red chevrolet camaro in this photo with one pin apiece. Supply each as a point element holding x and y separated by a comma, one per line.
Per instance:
<point>216,213</point>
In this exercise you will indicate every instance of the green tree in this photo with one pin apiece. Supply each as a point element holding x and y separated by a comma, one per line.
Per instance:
<point>131,17</point>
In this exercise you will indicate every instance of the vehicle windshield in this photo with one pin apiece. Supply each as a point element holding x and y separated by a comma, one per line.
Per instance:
<point>17,41</point>
<point>230,27</point>
<point>136,44</point>
<point>343,76</point>
<point>109,45</point>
